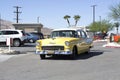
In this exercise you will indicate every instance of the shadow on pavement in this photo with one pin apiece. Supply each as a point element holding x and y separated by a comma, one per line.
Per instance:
<point>92,53</point>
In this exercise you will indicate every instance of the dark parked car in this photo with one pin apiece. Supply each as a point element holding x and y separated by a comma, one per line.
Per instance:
<point>31,37</point>
<point>100,36</point>
<point>40,35</point>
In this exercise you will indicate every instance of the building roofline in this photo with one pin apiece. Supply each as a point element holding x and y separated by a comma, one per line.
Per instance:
<point>27,24</point>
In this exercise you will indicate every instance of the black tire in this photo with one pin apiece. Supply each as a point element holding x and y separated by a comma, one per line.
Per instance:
<point>87,52</point>
<point>16,43</point>
<point>42,56</point>
<point>74,53</point>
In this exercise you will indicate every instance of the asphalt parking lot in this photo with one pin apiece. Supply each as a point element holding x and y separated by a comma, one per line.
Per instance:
<point>101,64</point>
<point>27,47</point>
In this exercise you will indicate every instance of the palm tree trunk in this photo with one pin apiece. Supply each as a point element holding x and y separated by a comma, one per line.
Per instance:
<point>68,22</point>
<point>76,23</point>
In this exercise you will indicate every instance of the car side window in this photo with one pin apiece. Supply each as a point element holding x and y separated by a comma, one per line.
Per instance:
<point>9,32</point>
<point>15,32</point>
<point>79,34</point>
<point>3,32</point>
<point>84,35</point>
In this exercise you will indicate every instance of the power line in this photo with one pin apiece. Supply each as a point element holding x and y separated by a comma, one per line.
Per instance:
<point>17,13</point>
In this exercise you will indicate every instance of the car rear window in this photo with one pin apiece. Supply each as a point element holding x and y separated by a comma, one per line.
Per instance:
<point>23,33</point>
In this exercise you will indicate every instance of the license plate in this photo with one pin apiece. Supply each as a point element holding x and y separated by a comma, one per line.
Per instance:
<point>50,51</point>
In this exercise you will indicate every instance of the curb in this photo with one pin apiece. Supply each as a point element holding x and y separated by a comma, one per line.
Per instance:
<point>100,41</point>
<point>112,46</point>
<point>12,53</point>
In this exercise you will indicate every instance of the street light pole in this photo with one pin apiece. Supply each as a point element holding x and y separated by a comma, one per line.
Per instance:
<point>93,12</point>
<point>117,25</point>
<point>100,21</point>
<point>100,18</point>
<point>38,19</point>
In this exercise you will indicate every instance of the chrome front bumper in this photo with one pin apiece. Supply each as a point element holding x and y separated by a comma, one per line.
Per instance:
<point>51,52</point>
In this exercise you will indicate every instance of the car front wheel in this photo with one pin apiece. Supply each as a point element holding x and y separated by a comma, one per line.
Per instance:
<point>16,43</point>
<point>74,53</point>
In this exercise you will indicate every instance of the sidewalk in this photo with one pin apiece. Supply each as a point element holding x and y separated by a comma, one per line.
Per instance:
<point>112,45</point>
<point>109,44</point>
<point>6,51</point>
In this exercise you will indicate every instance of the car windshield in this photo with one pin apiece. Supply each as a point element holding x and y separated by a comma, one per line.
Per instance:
<point>0,33</point>
<point>65,33</point>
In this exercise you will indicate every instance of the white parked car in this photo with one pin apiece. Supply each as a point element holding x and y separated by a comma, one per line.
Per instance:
<point>18,36</point>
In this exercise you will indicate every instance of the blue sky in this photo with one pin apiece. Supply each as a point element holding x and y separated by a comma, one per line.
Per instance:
<point>51,12</point>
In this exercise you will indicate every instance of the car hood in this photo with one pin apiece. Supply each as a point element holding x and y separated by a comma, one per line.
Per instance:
<point>56,41</point>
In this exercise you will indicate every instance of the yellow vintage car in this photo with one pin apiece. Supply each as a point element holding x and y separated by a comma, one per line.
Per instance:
<point>67,41</point>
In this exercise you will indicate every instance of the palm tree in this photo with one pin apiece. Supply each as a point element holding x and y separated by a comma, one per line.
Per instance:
<point>76,18</point>
<point>115,12</point>
<point>66,17</point>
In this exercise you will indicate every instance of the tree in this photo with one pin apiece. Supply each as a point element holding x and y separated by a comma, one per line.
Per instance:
<point>66,17</point>
<point>94,27</point>
<point>101,26</point>
<point>76,18</point>
<point>115,12</point>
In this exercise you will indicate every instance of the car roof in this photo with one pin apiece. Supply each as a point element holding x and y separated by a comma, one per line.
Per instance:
<point>63,29</point>
<point>10,30</point>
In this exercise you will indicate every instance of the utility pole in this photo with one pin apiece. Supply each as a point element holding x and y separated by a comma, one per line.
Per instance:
<point>17,13</point>
<point>93,12</point>
<point>0,22</point>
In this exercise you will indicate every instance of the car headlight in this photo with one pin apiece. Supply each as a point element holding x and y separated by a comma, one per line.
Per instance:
<point>37,43</point>
<point>67,43</point>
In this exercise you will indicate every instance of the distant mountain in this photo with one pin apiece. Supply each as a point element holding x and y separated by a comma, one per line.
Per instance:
<point>6,24</point>
<point>46,31</point>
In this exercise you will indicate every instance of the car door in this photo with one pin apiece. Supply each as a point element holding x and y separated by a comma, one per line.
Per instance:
<point>85,39</point>
<point>2,36</point>
<point>7,34</point>
<point>81,43</point>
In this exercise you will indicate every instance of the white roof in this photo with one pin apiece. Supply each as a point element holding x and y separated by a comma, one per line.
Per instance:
<point>10,30</point>
<point>66,29</point>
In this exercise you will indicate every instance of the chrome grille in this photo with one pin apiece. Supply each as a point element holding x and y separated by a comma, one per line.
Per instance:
<point>53,47</point>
